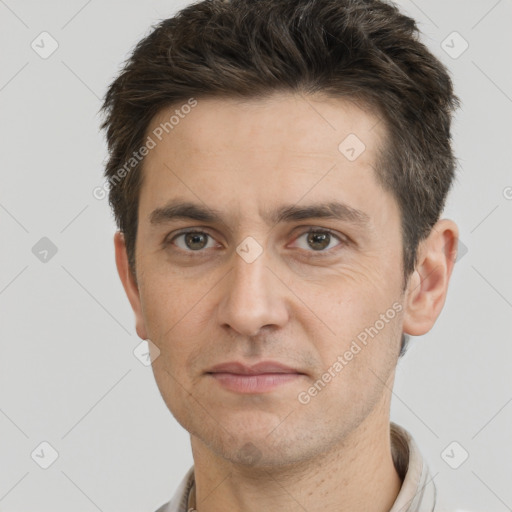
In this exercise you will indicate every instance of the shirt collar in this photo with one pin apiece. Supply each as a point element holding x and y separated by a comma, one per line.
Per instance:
<point>418,492</point>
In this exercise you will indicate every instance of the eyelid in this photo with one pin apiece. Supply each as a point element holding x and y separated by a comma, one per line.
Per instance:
<point>343,239</point>
<point>171,236</point>
<point>199,229</point>
<point>313,228</point>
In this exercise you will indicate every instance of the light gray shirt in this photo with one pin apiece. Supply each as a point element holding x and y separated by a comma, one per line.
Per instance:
<point>417,493</point>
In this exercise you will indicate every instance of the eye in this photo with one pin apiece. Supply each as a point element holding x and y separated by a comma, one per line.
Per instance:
<point>191,241</point>
<point>319,240</point>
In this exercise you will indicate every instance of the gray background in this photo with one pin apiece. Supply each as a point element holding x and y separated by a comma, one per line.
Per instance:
<point>68,375</point>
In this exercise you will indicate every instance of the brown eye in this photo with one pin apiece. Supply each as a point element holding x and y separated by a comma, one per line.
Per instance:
<point>196,240</point>
<point>192,241</point>
<point>319,240</point>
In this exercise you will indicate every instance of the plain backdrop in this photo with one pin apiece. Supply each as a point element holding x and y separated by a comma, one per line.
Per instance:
<point>68,375</point>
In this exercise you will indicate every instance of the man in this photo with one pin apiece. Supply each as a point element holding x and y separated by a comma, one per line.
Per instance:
<point>278,170</point>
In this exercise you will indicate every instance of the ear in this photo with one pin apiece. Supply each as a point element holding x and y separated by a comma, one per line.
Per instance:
<point>129,284</point>
<point>428,284</point>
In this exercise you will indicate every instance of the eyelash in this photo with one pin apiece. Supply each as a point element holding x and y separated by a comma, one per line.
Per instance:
<point>322,253</point>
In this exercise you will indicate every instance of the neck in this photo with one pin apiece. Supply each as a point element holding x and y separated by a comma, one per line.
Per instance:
<point>357,475</point>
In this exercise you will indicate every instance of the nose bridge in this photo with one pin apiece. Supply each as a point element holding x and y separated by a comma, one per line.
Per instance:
<point>249,273</point>
<point>252,295</point>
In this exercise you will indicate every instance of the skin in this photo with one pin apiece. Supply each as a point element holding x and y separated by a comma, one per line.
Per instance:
<point>206,306</point>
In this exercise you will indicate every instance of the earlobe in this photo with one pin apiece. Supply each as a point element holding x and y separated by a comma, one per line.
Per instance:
<point>428,285</point>
<point>129,283</point>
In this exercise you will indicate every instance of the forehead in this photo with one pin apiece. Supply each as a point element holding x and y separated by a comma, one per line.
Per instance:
<point>304,124</point>
<point>249,153</point>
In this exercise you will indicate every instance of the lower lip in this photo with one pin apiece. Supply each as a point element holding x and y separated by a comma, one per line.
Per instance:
<point>254,383</point>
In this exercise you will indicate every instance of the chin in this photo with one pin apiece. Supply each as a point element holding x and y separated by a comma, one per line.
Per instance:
<point>263,450</point>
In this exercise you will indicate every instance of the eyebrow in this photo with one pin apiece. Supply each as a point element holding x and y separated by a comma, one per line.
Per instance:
<point>288,213</point>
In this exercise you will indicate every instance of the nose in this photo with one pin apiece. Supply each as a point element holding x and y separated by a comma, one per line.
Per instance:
<point>253,297</point>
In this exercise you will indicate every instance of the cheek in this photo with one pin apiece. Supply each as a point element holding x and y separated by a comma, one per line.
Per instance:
<point>165,304</point>
<point>357,366</point>
<point>346,301</point>
<point>174,314</point>
<point>171,327</point>
<point>356,325</point>
<point>173,389</point>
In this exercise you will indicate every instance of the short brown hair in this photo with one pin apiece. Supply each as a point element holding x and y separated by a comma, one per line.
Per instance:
<point>363,50</point>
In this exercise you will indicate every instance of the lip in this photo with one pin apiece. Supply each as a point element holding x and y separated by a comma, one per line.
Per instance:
<point>255,369</point>
<point>262,377</point>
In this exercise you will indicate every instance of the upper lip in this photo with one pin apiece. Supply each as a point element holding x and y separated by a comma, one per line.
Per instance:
<point>255,369</point>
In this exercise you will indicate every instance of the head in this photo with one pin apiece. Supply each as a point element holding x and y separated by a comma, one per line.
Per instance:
<point>249,114</point>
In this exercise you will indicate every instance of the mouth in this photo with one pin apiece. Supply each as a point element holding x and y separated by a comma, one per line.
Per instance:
<point>259,378</point>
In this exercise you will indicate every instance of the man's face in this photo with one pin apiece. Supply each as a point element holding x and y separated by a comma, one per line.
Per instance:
<point>303,301</point>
